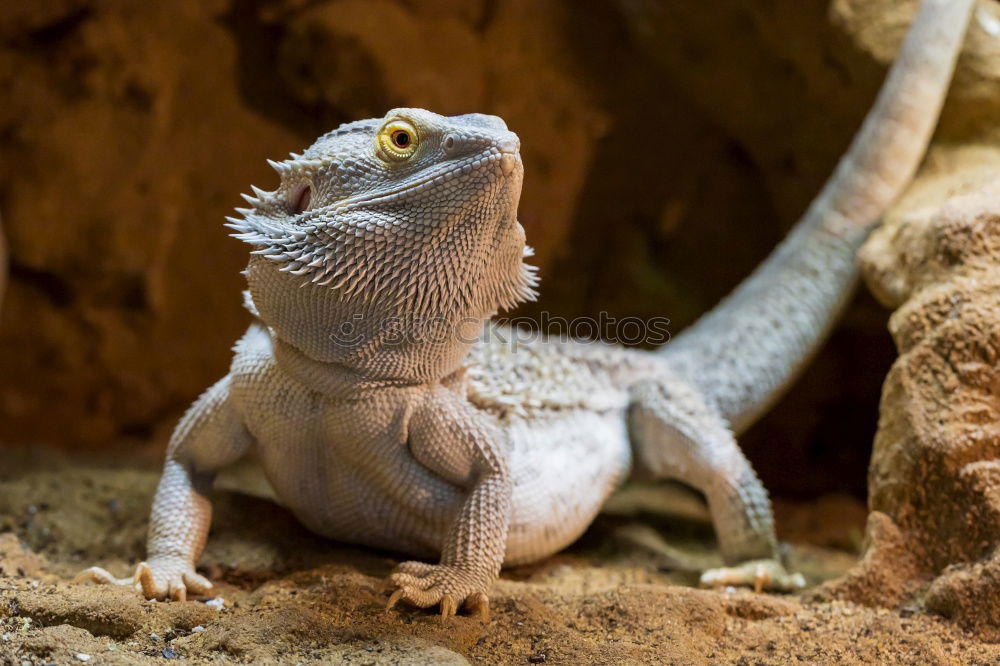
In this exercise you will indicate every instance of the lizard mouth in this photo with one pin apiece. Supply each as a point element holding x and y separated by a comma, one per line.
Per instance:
<point>506,162</point>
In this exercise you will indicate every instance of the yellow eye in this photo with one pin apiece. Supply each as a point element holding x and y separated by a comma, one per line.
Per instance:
<point>397,140</point>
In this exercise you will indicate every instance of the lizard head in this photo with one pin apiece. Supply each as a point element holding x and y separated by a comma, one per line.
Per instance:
<point>411,214</point>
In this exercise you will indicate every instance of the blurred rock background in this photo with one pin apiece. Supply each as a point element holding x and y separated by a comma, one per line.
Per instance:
<point>667,144</point>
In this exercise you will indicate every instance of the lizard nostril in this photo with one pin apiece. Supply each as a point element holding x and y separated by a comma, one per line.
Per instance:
<point>449,143</point>
<point>507,146</point>
<point>508,162</point>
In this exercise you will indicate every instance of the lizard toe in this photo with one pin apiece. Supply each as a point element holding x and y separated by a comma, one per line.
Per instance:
<point>761,575</point>
<point>177,591</point>
<point>478,604</point>
<point>145,582</point>
<point>394,599</point>
<point>415,597</point>
<point>449,607</point>
<point>100,576</point>
<point>196,583</point>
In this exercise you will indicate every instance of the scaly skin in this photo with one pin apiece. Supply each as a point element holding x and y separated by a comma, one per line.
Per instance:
<point>386,411</point>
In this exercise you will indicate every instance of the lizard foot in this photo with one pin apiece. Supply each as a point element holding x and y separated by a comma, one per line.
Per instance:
<point>160,578</point>
<point>426,585</point>
<point>761,575</point>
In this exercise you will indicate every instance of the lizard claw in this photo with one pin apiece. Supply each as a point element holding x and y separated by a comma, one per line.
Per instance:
<point>449,607</point>
<point>449,587</point>
<point>759,574</point>
<point>479,604</point>
<point>761,577</point>
<point>144,580</point>
<point>394,599</point>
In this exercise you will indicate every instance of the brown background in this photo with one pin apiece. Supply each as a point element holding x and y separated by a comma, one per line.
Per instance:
<point>667,144</point>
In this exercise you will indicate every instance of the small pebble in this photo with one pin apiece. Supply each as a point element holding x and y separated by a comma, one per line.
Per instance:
<point>988,23</point>
<point>217,603</point>
<point>80,656</point>
<point>154,637</point>
<point>539,658</point>
<point>199,628</point>
<point>168,653</point>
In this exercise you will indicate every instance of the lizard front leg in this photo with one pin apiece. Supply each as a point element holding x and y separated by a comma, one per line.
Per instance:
<point>210,436</point>
<point>452,439</point>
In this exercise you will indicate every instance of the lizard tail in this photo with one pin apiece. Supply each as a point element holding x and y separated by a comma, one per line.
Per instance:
<point>745,352</point>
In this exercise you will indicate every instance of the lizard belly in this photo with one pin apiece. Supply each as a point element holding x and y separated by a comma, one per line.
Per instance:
<point>564,464</point>
<point>563,409</point>
<point>344,476</point>
<point>341,502</point>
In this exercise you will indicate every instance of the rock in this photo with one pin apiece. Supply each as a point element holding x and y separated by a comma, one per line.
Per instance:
<point>887,573</point>
<point>101,610</point>
<point>399,651</point>
<point>967,593</point>
<point>132,130</point>
<point>125,140</point>
<point>61,643</point>
<point>934,472</point>
<point>744,61</point>
<point>16,559</point>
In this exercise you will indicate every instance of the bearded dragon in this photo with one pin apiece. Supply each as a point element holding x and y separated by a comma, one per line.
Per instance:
<point>387,411</point>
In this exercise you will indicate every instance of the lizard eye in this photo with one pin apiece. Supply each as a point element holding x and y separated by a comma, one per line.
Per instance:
<point>397,141</point>
<point>400,138</point>
<point>302,201</point>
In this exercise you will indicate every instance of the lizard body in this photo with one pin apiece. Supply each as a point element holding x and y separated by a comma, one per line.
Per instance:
<point>387,411</point>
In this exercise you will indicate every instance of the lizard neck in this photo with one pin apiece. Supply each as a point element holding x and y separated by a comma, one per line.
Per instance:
<point>374,345</point>
<point>329,378</point>
<point>335,380</point>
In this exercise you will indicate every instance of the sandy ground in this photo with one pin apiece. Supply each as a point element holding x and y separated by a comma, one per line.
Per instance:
<point>289,597</point>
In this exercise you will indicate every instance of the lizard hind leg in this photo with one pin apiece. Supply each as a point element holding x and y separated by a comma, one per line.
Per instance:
<point>675,435</point>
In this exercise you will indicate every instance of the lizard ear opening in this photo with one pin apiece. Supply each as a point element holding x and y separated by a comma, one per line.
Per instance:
<point>302,201</point>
